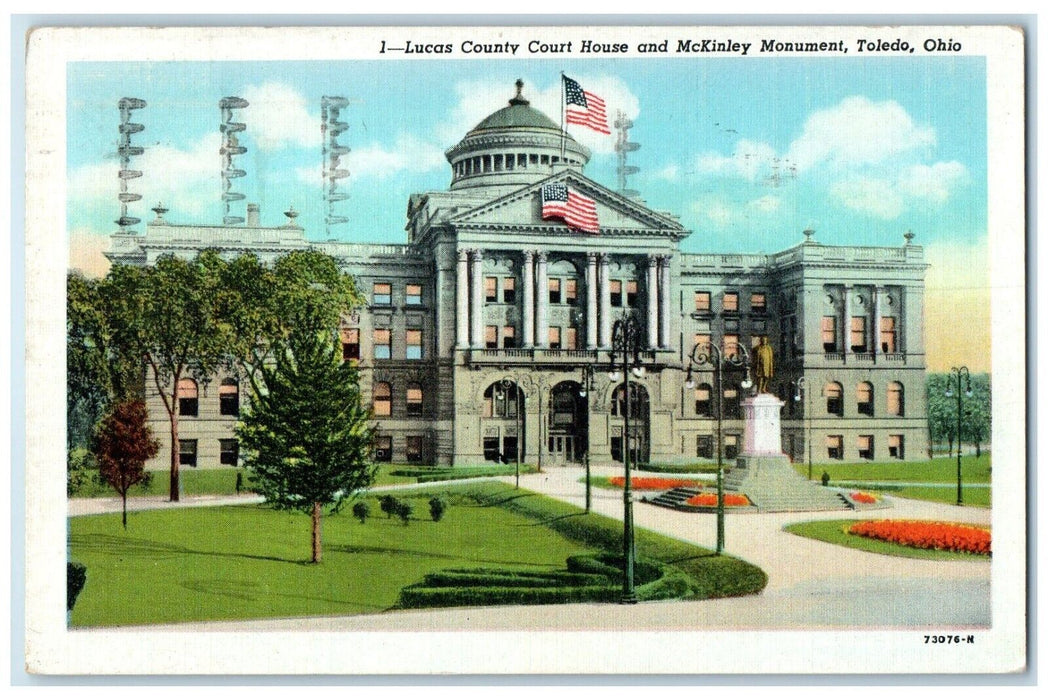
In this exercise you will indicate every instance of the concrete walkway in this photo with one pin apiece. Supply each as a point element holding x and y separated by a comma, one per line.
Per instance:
<point>811,584</point>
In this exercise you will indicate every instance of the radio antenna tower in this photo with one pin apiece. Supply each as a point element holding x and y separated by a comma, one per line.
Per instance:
<point>623,146</point>
<point>125,150</point>
<point>231,147</point>
<point>330,128</point>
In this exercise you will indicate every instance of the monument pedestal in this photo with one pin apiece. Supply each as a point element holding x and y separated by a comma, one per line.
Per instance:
<point>764,473</point>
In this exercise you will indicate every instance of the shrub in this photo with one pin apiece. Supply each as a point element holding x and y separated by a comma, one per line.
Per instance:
<point>426,597</point>
<point>403,511</point>
<point>80,468</point>
<point>437,506</point>
<point>388,504</point>
<point>361,511</point>
<point>76,577</point>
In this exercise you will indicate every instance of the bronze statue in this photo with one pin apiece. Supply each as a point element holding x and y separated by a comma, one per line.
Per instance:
<point>764,365</point>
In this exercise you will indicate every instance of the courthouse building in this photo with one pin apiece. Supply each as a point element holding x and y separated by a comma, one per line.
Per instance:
<point>486,337</point>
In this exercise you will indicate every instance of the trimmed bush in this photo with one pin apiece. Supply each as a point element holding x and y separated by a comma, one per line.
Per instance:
<point>506,577</point>
<point>403,511</point>
<point>423,597</point>
<point>361,511</point>
<point>388,504</point>
<point>76,577</point>
<point>437,507</point>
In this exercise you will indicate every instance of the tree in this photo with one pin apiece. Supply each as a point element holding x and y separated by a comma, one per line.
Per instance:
<point>306,436</point>
<point>123,445</point>
<point>942,411</point>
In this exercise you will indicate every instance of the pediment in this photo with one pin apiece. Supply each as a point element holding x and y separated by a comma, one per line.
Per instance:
<point>522,210</point>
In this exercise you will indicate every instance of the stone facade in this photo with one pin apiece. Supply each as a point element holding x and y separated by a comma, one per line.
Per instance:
<point>481,331</point>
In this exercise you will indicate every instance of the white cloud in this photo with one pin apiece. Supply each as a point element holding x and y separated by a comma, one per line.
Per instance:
<point>278,116</point>
<point>715,211</point>
<point>869,195</point>
<point>750,161</point>
<point>858,131</point>
<point>935,182</point>
<point>766,204</point>
<point>671,173</point>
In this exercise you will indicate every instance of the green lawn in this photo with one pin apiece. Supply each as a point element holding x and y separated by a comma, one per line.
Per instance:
<point>195,482</point>
<point>835,532</point>
<point>975,470</point>
<point>243,562</point>
<point>948,494</point>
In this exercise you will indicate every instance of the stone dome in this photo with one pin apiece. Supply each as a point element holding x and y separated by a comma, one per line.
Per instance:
<point>513,147</point>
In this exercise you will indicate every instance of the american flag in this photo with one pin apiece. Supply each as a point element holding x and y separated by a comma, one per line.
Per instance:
<point>584,108</point>
<point>578,211</point>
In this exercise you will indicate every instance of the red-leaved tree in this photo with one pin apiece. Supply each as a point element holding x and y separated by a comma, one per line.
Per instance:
<point>123,444</point>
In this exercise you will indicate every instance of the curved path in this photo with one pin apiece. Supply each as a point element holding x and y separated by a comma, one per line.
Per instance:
<point>811,584</point>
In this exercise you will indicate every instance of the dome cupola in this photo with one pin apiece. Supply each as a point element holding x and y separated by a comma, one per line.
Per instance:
<point>513,147</point>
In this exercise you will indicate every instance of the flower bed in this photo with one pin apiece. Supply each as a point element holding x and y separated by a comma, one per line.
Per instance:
<point>925,534</point>
<point>652,483</point>
<point>731,500</point>
<point>863,497</point>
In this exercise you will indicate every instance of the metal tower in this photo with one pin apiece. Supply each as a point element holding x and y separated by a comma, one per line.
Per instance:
<point>330,128</point>
<point>125,150</point>
<point>231,147</point>
<point>623,146</point>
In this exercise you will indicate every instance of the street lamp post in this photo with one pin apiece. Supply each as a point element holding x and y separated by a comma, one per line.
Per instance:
<point>956,373</point>
<point>626,337</point>
<point>708,353</point>
<point>584,392</point>
<point>506,383</point>
<point>801,387</point>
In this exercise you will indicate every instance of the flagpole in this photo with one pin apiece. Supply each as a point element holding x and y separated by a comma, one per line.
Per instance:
<point>563,107</point>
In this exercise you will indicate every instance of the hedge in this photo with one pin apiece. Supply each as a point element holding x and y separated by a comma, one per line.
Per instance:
<point>426,597</point>
<point>505,577</point>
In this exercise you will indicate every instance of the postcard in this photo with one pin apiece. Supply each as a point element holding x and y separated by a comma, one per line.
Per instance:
<point>526,350</point>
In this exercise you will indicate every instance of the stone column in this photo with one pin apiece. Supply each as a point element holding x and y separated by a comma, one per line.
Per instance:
<point>439,309</point>
<point>846,320</point>
<point>542,303</point>
<point>653,301</point>
<point>476,299</point>
<point>528,281</point>
<point>591,300</point>
<point>605,302</point>
<point>665,303</point>
<point>462,300</point>
<point>876,331</point>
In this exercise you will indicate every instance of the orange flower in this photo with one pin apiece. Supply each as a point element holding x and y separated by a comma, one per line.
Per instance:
<point>710,499</point>
<point>863,497</point>
<point>923,534</point>
<point>652,483</point>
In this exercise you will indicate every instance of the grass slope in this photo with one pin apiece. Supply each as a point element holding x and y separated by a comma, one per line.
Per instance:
<point>836,532</point>
<point>940,470</point>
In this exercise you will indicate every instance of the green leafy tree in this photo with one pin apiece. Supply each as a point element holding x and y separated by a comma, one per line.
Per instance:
<point>123,445</point>
<point>942,410</point>
<point>306,436</point>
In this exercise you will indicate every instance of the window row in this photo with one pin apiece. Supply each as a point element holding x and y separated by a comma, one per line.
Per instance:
<point>562,290</point>
<point>414,448</point>
<point>228,452</point>
<point>833,393</point>
<point>382,294</point>
<point>189,398</point>
<point>730,302</point>
<point>559,338</point>
<point>864,446</point>
<point>382,399</point>
<point>729,342</point>
<point>501,162</point>
<point>858,336</point>
<point>381,344</point>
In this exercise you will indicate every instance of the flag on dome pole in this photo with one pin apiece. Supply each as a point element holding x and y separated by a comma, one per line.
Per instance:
<point>584,108</point>
<point>576,210</point>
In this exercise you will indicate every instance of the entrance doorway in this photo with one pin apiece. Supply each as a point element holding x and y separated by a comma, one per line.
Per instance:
<point>568,424</point>
<point>638,407</point>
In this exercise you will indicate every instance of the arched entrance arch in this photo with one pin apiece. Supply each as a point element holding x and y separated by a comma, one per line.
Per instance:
<point>567,429</point>
<point>503,422</point>
<point>639,407</point>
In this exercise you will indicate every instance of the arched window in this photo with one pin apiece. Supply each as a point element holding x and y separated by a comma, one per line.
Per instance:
<point>187,397</point>
<point>864,398</point>
<point>639,403</point>
<point>703,406</point>
<point>834,394</point>
<point>382,404</point>
<point>229,398</point>
<point>896,399</point>
<point>414,400</point>
<point>501,401</point>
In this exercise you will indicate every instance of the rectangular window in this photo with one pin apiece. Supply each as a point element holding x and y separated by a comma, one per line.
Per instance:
<point>413,449</point>
<point>491,337</point>
<point>350,343</point>
<point>616,292</point>
<point>509,337</point>
<point>731,302</point>
<point>554,337</point>
<point>491,289</point>
<point>731,446</point>
<point>229,400</point>
<point>702,400</point>
<point>865,445</point>
<point>731,344</point>
<point>858,334</point>
<point>758,303</point>
<point>631,293</point>
<point>383,344</point>
<point>187,453</point>
<point>895,450</point>
<point>413,294</point>
<point>570,339</point>
<point>864,399</point>
<point>702,302</point>
<point>509,290</point>
<point>382,294</point>
<point>228,452</point>
<point>414,345</point>
<point>888,343</point>
<point>835,446</point>
<point>414,406</point>
<point>704,446</point>
<point>491,449</point>
<point>616,448</point>
<point>383,448</point>
<point>732,407</point>
<point>829,334</point>
<point>703,341</point>
<point>554,291</point>
<point>571,291</point>
<point>894,395</point>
